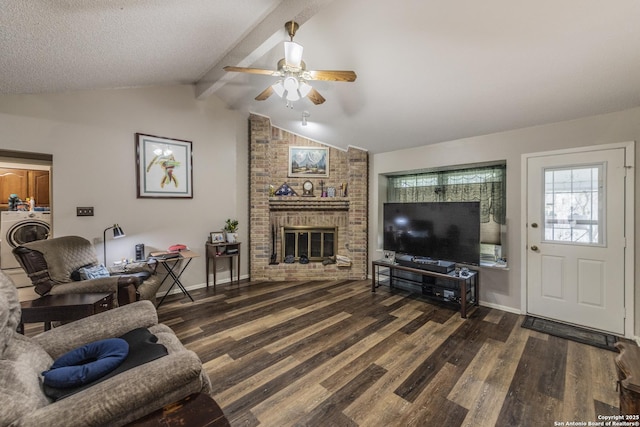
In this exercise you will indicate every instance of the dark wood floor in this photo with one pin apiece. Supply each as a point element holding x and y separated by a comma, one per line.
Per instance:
<point>331,353</point>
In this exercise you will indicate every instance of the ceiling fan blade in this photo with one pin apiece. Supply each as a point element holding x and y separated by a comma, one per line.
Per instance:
<point>251,70</point>
<point>333,75</point>
<point>315,97</point>
<point>265,94</point>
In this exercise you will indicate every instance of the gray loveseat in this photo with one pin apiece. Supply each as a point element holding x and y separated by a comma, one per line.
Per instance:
<point>112,402</point>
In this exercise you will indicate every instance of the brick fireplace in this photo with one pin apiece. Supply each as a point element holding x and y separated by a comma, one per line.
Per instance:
<point>270,214</point>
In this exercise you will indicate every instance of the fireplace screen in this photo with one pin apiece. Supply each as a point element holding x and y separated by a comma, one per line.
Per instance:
<point>317,243</point>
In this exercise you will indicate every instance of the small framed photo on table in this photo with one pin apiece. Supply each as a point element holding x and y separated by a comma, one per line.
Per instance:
<point>389,256</point>
<point>217,237</point>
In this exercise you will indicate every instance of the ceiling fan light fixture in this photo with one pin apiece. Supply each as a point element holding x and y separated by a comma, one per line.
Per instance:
<point>304,89</point>
<point>291,84</point>
<point>293,95</point>
<point>278,88</point>
<point>293,54</point>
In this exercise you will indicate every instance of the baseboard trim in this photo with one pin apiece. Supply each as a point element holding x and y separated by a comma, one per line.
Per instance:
<point>501,307</point>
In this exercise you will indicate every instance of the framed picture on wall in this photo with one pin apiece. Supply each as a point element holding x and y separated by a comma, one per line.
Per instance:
<point>164,167</point>
<point>309,162</point>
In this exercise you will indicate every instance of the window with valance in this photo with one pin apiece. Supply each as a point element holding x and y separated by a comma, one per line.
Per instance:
<point>484,184</point>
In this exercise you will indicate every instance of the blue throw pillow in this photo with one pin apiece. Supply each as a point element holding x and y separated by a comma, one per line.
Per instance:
<point>93,272</point>
<point>75,274</point>
<point>87,363</point>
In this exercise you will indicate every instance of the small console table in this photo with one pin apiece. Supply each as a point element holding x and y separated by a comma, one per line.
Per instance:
<point>216,251</point>
<point>444,287</point>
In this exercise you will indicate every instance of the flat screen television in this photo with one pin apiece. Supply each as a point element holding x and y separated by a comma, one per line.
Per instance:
<point>445,231</point>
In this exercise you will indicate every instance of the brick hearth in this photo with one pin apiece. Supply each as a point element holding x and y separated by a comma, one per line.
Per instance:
<point>269,157</point>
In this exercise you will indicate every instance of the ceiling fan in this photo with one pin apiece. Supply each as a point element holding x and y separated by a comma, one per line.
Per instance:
<point>293,74</point>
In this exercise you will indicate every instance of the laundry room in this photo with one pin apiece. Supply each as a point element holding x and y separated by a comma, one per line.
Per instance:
<point>25,209</point>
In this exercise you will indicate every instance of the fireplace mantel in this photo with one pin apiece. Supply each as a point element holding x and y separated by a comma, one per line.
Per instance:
<point>292,203</point>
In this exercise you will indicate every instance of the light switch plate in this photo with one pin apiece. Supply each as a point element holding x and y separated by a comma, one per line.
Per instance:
<point>84,211</point>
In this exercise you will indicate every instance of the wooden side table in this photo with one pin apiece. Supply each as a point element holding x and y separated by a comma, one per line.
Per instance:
<point>196,410</point>
<point>63,308</point>
<point>216,251</point>
<point>628,369</point>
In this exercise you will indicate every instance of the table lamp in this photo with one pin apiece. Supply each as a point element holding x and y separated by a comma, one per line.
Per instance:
<point>117,233</point>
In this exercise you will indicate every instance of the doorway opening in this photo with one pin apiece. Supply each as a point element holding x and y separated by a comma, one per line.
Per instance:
<point>25,205</point>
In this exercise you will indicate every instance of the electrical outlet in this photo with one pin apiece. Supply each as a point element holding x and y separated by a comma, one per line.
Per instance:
<point>86,211</point>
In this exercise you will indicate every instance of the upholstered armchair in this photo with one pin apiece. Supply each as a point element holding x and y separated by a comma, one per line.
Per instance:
<point>53,266</point>
<point>114,400</point>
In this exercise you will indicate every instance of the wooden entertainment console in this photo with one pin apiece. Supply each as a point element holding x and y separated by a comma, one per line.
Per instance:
<point>444,287</point>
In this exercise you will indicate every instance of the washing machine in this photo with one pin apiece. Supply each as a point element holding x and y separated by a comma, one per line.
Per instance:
<point>18,227</point>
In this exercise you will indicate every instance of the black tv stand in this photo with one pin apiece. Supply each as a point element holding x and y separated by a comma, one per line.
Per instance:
<point>459,289</point>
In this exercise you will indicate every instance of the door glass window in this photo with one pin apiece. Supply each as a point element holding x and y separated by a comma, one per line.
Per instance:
<point>573,210</point>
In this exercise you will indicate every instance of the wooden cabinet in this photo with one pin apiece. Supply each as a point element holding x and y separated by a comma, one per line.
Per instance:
<point>25,183</point>
<point>13,181</point>
<point>39,187</point>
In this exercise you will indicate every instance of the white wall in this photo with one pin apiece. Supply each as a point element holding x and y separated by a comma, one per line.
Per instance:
<point>91,136</point>
<point>503,288</point>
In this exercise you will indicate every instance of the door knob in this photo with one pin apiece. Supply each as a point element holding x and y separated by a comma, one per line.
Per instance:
<point>534,225</point>
<point>534,248</point>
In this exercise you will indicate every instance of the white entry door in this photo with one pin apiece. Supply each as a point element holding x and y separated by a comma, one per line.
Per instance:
<point>576,238</point>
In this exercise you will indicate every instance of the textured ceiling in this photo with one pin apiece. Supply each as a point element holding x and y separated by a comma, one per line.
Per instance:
<point>65,45</point>
<point>428,71</point>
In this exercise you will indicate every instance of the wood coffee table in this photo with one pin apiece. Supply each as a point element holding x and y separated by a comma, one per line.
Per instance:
<point>63,308</point>
<point>196,410</point>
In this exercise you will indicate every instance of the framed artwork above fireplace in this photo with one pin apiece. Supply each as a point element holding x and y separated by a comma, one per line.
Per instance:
<point>308,162</point>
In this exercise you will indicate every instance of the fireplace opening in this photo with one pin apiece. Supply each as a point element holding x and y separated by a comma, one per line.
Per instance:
<point>317,243</point>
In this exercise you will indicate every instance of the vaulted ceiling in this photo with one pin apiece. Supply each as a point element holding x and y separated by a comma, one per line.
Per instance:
<point>428,70</point>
